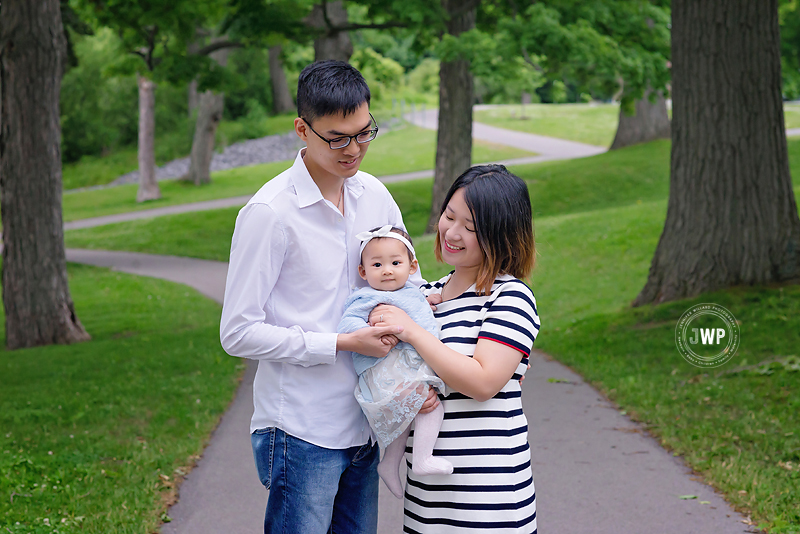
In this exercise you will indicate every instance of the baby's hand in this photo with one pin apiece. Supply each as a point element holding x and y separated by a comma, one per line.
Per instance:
<point>433,300</point>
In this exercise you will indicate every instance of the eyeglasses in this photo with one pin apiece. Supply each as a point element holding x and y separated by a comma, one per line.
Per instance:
<point>340,142</point>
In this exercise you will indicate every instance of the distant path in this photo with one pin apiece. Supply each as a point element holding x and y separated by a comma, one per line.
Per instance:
<point>547,148</point>
<point>596,471</point>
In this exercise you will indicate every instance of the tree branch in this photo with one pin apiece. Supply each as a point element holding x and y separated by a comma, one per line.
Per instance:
<point>325,16</point>
<point>529,61</point>
<point>374,26</point>
<point>213,47</point>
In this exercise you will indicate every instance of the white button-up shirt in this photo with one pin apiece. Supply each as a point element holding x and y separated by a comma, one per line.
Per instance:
<point>294,261</point>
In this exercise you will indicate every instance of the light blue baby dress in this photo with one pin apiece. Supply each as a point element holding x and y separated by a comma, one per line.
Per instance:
<point>388,389</point>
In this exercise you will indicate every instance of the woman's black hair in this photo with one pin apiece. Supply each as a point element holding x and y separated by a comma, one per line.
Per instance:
<point>328,88</point>
<point>501,211</point>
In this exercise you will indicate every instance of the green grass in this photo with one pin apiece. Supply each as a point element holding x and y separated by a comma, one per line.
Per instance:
<point>738,427</point>
<point>411,148</point>
<point>791,115</point>
<point>95,435</point>
<point>593,124</point>
<point>92,170</point>
<point>597,225</point>
<point>403,150</point>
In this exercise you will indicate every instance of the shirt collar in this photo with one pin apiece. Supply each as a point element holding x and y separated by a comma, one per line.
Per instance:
<point>308,192</point>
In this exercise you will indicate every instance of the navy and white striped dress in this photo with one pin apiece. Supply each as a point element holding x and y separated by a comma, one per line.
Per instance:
<point>491,489</point>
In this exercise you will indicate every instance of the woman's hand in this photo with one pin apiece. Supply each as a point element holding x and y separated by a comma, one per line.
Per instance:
<point>385,315</point>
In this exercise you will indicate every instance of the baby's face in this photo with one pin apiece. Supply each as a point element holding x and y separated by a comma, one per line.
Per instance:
<point>385,264</point>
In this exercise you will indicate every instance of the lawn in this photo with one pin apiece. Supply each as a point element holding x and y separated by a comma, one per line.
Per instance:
<point>593,124</point>
<point>597,224</point>
<point>791,114</point>
<point>96,435</point>
<point>405,149</point>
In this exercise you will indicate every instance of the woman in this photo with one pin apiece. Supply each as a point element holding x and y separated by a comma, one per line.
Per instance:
<point>488,322</point>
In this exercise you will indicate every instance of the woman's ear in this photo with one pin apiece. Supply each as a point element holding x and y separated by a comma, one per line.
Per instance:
<point>362,272</point>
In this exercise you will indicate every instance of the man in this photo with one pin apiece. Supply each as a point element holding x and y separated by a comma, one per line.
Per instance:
<point>294,259</point>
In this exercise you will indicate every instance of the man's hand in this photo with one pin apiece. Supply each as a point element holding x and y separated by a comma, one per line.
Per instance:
<point>376,341</point>
<point>433,300</point>
<point>431,402</point>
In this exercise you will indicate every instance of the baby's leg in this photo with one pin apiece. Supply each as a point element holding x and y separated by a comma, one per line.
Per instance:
<point>426,430</point>
<point>389,467</point>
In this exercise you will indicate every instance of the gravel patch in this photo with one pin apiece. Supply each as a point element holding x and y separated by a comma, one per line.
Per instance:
<point>267,149</point>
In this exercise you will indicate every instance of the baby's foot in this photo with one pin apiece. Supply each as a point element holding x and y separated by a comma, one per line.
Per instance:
<point>390,475</point>
<point>431,466</point>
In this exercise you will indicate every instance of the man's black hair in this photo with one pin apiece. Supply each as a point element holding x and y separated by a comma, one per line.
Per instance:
<point>328,88</point>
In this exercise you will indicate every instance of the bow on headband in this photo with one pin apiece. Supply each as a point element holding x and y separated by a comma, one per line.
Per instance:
<point>383,231</point>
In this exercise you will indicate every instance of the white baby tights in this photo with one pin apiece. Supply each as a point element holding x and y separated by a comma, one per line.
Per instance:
<point>426,430</point>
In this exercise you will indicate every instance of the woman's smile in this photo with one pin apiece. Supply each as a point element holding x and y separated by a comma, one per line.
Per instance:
<point>452,248</point>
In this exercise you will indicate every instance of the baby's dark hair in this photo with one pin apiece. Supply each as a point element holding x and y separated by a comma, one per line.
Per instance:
<point>328,88</point>
<point>394,230</point>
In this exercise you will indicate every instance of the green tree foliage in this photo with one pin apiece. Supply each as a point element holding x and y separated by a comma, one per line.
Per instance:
<point>97,112</point>
<point>98,106</point>
<point>156,35</point>
<point>250,83</point>
<point>592,45</point>
<point>789,17</point>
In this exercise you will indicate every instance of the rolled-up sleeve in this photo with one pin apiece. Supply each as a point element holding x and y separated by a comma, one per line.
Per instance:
<point>258,249</point>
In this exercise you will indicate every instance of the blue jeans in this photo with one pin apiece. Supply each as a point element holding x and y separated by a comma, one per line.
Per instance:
<point>313,490</point>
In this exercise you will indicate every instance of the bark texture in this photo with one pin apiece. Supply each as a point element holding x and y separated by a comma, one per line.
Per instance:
<point>456,95</point>
<point>649,122</point>
<point>192,97</point>
<point>210,109</point>
<point>148,185</point>
<point>38,306</point>
<point>281,97</point>
<point>208,117</point>
<point>732,216</point>
<point>332,44</point>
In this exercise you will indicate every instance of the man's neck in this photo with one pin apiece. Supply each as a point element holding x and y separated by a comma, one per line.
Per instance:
<point>329,185</point>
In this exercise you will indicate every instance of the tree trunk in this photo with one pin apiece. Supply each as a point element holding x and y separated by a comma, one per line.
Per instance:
<point>208,117</point>
<point>281,98</point>
<point>193,98</point>
<point>205,128</point>
<point>732,217</point>
<point>454,134</point>
<point>650,121</point>
<point>36,297</point>
<point>332,44</point>
<point>148,185</point>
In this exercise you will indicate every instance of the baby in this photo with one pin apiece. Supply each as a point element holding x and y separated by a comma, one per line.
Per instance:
<point>391,390</point>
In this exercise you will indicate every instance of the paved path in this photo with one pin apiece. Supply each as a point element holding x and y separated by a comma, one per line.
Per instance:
<point>596,472</point>
<point>548,148</point>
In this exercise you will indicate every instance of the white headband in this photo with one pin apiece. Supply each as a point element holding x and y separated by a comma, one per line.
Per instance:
<point>383,231</point>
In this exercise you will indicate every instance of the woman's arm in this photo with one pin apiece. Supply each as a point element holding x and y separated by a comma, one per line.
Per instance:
<point>480,377</point>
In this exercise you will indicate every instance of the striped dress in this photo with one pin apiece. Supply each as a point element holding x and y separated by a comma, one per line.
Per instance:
<point>491,489</point>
